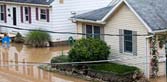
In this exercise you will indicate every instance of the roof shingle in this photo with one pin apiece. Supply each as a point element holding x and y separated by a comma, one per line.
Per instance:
<point>95,14</point>
<point>153,12</point>
<point>43,2</point>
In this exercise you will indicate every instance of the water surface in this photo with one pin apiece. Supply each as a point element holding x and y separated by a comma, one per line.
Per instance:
<point>14,66</point>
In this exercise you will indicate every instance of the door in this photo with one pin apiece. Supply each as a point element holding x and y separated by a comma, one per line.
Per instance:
<point>14,16</point>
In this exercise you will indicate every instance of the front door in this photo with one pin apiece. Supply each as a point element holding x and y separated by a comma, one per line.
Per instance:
<point>14,16</point>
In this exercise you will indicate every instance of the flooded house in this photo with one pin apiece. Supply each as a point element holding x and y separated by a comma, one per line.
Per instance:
<point>50,15</point>
<point>140,19</point>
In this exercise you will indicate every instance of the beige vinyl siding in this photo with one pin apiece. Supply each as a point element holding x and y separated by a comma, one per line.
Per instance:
<point>124,18</point>
<point>79,30</point>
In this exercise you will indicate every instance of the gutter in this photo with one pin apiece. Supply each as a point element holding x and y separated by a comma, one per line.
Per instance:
<point>159,31</point>
<point>74,20</point>
<point>17,3</point>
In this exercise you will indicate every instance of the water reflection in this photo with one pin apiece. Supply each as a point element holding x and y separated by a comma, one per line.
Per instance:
<point>19,54</point>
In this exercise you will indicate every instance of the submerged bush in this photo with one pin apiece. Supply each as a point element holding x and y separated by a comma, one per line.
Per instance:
<point>59,59</point>
<point>89,50</point>
<point>38,38</point>
<point>19,38</point>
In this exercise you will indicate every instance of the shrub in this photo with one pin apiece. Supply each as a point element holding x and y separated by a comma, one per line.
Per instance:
<point>19,38</point>
<point>59,59</point>
<point>89,50</point>
<point>37,38</point>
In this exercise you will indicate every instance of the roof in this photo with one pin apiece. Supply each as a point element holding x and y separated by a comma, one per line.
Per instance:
<point>95,14</point>
<point>152,12</point>
<point>43,2</point>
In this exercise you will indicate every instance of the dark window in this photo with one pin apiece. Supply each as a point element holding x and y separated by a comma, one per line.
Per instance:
<point>128,41</point>
<point>89,31</point>
<point>96,32</point>
<point>2,12</point>
<point>92,31</point>
<point>43,14</point>
<point>26,14</point>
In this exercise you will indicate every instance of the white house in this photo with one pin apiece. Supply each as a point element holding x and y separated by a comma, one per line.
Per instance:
<point>128,17</point>
<point>51,15</point>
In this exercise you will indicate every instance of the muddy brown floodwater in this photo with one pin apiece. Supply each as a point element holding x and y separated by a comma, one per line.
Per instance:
<point>19,55</point>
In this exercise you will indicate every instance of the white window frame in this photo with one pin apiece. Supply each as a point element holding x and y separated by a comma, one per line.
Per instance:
<point>43,14</point>
<point>2,12</point>
<point>26,14</point>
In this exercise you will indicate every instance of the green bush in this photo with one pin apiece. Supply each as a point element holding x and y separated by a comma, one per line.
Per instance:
<point>59,59</point>
<point>37,38</point>
<point>89,50</point>
<point>19,38</point>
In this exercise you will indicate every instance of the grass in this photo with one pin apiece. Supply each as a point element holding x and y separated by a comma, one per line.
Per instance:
<point>113,68</point>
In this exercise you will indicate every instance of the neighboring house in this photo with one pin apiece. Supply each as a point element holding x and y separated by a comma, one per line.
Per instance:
<point>51,15</point>
<point>128,17</point>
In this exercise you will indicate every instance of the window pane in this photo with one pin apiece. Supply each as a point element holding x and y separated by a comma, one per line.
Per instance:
<point>2,16</point>
<point>89,31</point>
<point>128,41</point>
<point>43,16</point>
<point>43,11</point>
<point>96,32</point>
<point>26,10</point>
<point>27,18</point>
<point>2,8</point>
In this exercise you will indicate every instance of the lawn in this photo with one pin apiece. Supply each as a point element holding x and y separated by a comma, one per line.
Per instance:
<point>113,68</point>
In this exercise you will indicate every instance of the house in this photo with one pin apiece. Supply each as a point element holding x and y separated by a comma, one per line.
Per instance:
<point>51,15</point>
<point>128,17</point>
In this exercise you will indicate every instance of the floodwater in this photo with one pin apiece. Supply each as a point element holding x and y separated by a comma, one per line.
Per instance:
<point>14,66</point>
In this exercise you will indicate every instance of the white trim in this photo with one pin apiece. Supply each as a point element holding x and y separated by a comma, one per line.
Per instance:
<point>145,24</point>
<point>158,31</point>
<point>17,3</point>
<point>114,8</point>
<point>109,14</point>
<point>89,21</point>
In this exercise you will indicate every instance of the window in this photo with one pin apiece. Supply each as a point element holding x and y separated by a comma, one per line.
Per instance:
<point>61,1</point>
<point>128,41</point>
<point>92,31</point>
<point>43,14</point>
<point>26,11</point>
<point>2,13</point>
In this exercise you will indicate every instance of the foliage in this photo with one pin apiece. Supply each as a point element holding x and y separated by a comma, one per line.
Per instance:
<point>19,38</point>
<point>114,68</point>
<point>60,59</point>
<point>38,38</point>
<point>89,49</point>
<point>162,39</point>
<point>154,54</point>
